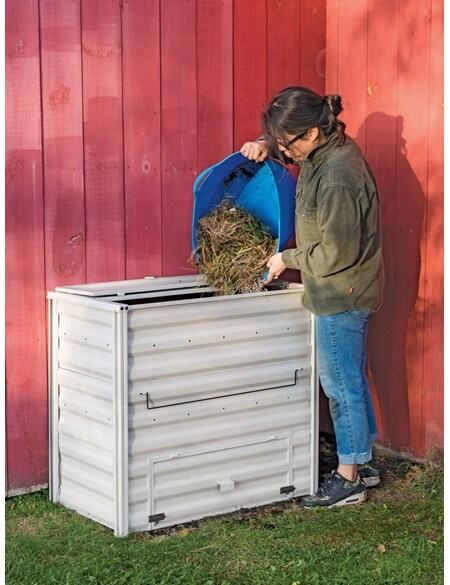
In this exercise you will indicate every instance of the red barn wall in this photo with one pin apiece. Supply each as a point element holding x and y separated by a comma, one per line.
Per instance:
<point>385,58</point>
<point>112,109</point>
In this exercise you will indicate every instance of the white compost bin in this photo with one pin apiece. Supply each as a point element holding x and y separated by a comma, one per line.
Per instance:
<point>169,404</point>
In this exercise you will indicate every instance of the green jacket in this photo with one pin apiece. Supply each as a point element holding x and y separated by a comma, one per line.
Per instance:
<point>338,233</point>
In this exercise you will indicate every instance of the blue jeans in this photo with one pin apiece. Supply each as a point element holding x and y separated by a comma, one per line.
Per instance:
<point>341,356</point>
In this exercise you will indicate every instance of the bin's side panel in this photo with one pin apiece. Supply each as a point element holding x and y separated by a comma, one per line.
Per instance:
<point>218,346</point>
<point>83,388</point>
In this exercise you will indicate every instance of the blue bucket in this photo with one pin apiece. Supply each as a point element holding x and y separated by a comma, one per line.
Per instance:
<point>266,190</point>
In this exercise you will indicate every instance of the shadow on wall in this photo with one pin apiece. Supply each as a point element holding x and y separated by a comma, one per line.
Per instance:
<point>394,332</point>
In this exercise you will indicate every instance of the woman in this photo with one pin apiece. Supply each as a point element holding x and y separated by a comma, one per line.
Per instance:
<point>339,256</point>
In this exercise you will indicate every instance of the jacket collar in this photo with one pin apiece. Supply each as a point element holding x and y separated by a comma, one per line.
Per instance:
<point>320,152</point>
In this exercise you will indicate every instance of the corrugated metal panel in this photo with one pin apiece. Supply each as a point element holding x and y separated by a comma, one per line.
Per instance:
<point>184,426</point>
<point>87,502</point>
<point>200,385</point>
<point>85,358</point>
<point>220,424</point>
<point>82,387</point>
<point>86,465</point>
<point>143,316</point>
<point>85,340</point>
<point>71,307</point>
<point>201,349</point>
<point>88,384</point>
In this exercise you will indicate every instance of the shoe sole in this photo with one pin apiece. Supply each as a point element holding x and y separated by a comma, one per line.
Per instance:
<point>348,501</point>
<point>371,481</point>
<point>351,500</point>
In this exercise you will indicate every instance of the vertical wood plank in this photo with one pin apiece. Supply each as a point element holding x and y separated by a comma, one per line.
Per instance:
<point>142,137</point>
<point>332,47</point>
<point>250,68</point>
<point>26,379</point>
<point>283,45</point>
<point>343,22</point>
<point>434,258</point>
<point>214,80</point>
<point>352,63</point>
<point>387,331</point>
<point>331,86</point>
<point>413,98</point>
<point>313,44</point>
<point>63,142</point>
<point>103,143</point>
<point>179,131</point>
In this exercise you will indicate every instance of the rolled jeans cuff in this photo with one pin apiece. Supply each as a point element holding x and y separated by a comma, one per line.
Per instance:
<point>355,458</point>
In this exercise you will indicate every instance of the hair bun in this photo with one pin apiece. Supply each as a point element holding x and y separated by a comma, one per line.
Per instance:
<point>334,103</point>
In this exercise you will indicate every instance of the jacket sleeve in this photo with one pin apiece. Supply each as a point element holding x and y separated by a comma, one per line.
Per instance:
<point>339,223</point>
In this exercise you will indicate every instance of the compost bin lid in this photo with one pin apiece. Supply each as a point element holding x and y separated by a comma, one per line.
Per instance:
<point>123,287</point>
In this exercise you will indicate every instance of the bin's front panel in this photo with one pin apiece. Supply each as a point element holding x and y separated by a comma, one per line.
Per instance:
<point>212,443</point>
<point>215,347</point>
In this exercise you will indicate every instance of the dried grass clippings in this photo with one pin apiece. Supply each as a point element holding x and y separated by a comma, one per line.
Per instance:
<point>233,249</point>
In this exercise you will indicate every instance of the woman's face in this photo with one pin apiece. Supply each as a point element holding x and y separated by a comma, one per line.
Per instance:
<point>298,146</point>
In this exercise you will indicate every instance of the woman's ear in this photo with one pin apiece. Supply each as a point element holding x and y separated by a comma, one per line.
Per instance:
<point>314,134</point>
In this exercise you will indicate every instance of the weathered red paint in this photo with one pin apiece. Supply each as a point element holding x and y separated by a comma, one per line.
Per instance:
<point>26,379</point>
<point>137,97</point>
<point>214,81</point>
<point>283,45</point>
<point>142,131</point>
<point>101,38</point>
<point>385,59</point>
<point>62,123</point>
<point>433,360</point>
<point>179,130</point>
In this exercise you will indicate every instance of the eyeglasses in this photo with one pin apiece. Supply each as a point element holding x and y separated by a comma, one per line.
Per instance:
<point>287,145</point>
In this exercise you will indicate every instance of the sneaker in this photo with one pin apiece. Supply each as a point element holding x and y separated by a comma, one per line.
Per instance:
<point>369,475</point>
<point>336,490</point>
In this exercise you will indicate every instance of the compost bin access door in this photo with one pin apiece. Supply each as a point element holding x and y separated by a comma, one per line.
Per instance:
<point>188,486</point>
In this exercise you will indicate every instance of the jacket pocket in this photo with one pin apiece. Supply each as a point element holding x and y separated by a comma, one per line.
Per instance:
<point>306,207</point>
<point>308,214</point>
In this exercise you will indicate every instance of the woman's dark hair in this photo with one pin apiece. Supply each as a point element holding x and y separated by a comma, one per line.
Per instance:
<point>296,109</point>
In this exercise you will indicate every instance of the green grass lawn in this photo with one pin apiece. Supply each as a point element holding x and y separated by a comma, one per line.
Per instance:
<point>395,538</point>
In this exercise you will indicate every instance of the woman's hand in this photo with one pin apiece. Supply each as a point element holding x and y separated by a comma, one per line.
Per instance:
<point>257,151</point>
<point>276,267</point>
